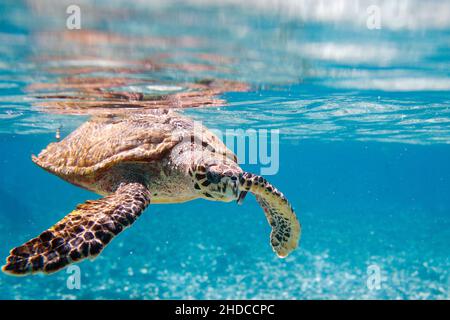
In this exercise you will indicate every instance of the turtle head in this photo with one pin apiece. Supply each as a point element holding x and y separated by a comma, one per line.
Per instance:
<point>217,180</point>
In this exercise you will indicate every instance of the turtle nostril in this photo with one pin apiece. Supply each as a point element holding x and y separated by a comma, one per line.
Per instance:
<point>234,178</point>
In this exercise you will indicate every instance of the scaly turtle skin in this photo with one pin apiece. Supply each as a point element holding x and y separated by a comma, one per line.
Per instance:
<point>160,157</point>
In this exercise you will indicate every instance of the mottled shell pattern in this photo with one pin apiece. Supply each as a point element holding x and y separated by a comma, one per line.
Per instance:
<point>105,141</point>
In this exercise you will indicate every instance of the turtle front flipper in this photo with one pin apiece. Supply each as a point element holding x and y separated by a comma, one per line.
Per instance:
<point>81,234</point>
<point>286,229</point>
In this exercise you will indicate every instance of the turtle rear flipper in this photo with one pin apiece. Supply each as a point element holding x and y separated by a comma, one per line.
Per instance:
<point>81,234</point>
<point>286,229</point>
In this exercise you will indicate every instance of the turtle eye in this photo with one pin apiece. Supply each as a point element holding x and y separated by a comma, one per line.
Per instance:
<point>213,177</point>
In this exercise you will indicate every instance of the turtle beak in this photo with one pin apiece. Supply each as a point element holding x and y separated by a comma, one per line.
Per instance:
<point>234,188</point>
<point>243,193</point>
<point>241,197</point>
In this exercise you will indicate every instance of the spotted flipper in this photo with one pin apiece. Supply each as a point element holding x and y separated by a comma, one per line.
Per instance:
<point>286,229</point>
<point>81,234</point>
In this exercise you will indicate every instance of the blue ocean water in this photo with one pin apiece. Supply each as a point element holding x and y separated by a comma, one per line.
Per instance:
<point>364,156</point>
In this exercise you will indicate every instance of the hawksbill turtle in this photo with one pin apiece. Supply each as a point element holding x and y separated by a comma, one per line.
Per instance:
<point>158,157</point>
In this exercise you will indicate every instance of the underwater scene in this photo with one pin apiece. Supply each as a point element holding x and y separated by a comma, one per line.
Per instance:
<point>343,107</point>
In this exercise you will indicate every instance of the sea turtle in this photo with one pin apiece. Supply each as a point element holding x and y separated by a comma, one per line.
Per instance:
<point>160,156</point>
